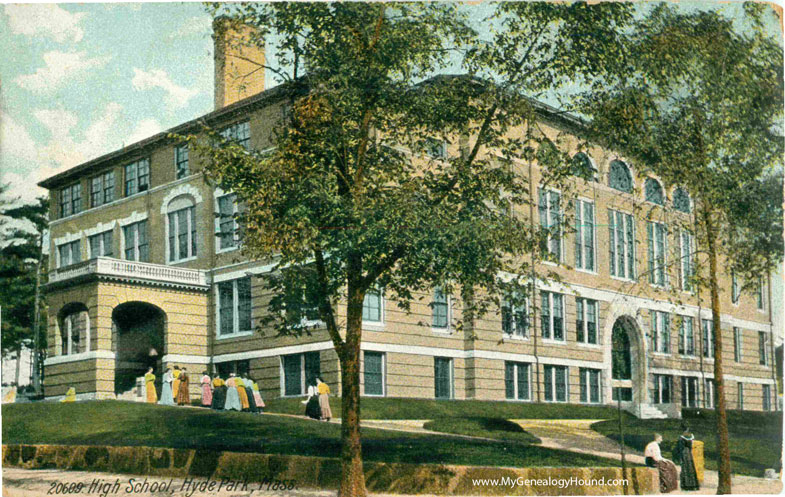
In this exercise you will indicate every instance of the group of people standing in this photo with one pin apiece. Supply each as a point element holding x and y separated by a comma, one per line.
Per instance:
<point>317,405</point>
<point>670,478</point>
<point>236,393</point>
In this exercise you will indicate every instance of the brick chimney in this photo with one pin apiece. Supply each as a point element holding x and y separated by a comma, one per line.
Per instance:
<point>237,62</point>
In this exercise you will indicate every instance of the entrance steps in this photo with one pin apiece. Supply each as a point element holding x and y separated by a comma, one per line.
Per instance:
<point>656,411</point>
<point>135,394</point>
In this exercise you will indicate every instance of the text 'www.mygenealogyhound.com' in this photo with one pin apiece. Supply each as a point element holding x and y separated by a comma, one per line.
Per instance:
<point>507,481</point>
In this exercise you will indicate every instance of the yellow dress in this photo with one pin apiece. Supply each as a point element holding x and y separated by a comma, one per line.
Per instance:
<point>70,395</point>
<point>149,383</point>
<point>243,394</point>
<point>175,383</point>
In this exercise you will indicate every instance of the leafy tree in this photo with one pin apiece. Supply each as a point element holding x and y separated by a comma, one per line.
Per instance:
<point>21,261</point>
<point>700,105</point>
<point>384,176</point>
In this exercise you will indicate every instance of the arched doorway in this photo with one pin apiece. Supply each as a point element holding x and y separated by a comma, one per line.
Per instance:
<point>627,371</point>
<point>138,330</point>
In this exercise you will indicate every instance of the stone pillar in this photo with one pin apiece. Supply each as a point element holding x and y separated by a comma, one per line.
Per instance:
<point>697,456</point>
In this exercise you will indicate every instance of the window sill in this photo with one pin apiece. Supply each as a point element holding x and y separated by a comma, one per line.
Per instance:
<point>661,354</point>
<point>518,400</point>
<point>442,331</point>
<point>688,356</point>
<point>374,395</point>
<point>228,249</point>
<point>506,336</point>
<point>373,326</point>
<point>589,345</point>
<point>182,261</point>
<point>239,334</point>
<point>625,280</point>
<point>587,271</point>
<point>551,341</point>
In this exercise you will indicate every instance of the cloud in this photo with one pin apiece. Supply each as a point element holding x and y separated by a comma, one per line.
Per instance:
<point>199,25</point>
<point>15,141</point>
<point>145,129</point>
<point>176,96</point>
<point>59,68</point>
<point>49,20</point>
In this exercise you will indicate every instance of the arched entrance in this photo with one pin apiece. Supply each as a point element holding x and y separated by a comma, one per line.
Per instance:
<point>138,330</point>
<point>627,365</point>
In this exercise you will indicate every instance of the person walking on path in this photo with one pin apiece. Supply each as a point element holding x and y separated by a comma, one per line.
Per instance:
<point>312,409</point>
<point>183,394</point>
<point>324,399</point>
<point>669,475</point>
<point>683,454</point>
<point>175,382</point>
<point>149,385</point>
<point>207,391</point>
<point>167,398</point>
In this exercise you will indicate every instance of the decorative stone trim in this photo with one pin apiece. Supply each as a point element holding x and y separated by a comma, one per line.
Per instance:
<point>82,356</point>
<point>186,358</point>
<point>183,189</point>
<point>68,237</point>
<point>100,228</point>
<point>135,217</point>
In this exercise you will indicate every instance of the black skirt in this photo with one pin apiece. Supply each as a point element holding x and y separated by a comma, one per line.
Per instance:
<point>219,397</point>
<point>312,409</point>
<point>251,400</point>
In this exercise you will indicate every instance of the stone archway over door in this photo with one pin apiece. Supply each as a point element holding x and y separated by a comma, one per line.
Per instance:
<point>138,331</point>
<point>628,365</point>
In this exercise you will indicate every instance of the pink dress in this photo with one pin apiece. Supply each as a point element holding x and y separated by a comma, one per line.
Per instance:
<point>207,392</point>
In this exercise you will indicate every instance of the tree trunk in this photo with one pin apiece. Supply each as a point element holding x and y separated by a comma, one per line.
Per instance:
<point>18,364</point>
<point>723,450</point>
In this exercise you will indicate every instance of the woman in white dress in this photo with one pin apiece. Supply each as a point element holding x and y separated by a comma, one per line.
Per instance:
<point>166,389</point>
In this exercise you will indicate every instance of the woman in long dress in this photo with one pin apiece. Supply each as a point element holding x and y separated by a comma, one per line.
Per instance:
<point>183,394</point>
<point>70,395</point>
<point>207,391</point>
<point>232,397</point>
<point>669,475</point>
<point>683,454</point>
<point>175,382</point>
<point>240,384</point>
<point>312,409</point>
<point>248,384</point>
<point>219,393</point>
<point>167,398</point>
<point>324,399</point>
<point>257,396</point>
<point>149,386</point>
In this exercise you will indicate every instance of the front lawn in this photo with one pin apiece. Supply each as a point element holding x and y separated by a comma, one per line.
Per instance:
<point>755,437</point>
<point>496,428</point>
<point>129,423</point>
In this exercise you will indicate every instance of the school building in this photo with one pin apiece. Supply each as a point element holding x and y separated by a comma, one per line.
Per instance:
<point>147,269</point>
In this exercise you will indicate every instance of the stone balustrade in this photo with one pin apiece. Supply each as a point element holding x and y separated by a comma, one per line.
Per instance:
<point>122,269</point>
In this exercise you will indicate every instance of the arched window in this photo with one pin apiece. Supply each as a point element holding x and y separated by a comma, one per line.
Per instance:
<point>620,177</point>
<point>654,192</point>
<point>181,229</point>
<point>621,362</point>
<point>74,330</point>
<point>681,200</point>
<point>583,167</point>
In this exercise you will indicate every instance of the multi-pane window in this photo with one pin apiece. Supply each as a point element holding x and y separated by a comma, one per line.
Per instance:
<point>734,288</point>
<point>374,373</point>
<point>555,383</point>
<point>299,371</point>
<point>583,168</point>
<point>552,316</point>
<point>137,247</point>
<point>372,306</point>
<point>71,200</point>
<point>622,244</point>
<point>137,177</point>
<point>584,235</point>
<point>708,338</point>
<point>182,234</point>
<point>101,245</point>
<point>661,332</point>
<point>759,294</point>
<point>689,391</point>
<point>686,336</point>
<point>657,247</point>
<point>653,192</point>
<point>102,189</point>
<point>620,177</point>
<point>440,309</point>
<point>590,385</point>
<point>737,340</point>
<point>663,389</point>
<point>75,333</point>
<point>740,396</point>
<point>681,200</point>
<point>586,320</point>
<point>766,397</point>
<point>708,393</point>
<point>234,306</point>
<point>181,161</point>
<point>227,225</point>
<point>515,322</point>
<point>69,253</point>
<point>435,148</point>
<point>443,377</point>
<point>763,356</point>
<point>517,380</point>
<point>240,132</point>
<point>687,261</point>
<point>550,221</point>
<point>302,301</point>
<point>240,368</point>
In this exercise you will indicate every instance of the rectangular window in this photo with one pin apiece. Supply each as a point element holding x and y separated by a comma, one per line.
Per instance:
<point>740,396</point>
<point>224,369</point>
<point>101,245</point>
<point>240,132</point>
<point>586,320</point>
<point>663,387</point>
<point>550,221</point>
<point>708,338</point>
<point>182,234</point>
<point>374,373</point>
<point>657,247</point>
<point>737,337</point>
<point>102,189</point>
<point>622,244</point>
<point>687,266</point>
<point>517,380</point>
<point>70,253</point>
<point>590,385</point>
<point>71,200</point>
<point>234,306</point>
<point>689,391</point>
<point>372,306</point>
<point>136,242</point>
<point>440,309</point>
<point>661,332</point>
<point>767,397</point>
<point>227,225</point>
<point>515,317</point>
<point>763,340</point>
<point>759,294</point>
<point>584,235</point>
<point>299,371</point>
<point>708,393</point>
<point>735,289</point>
<point>552,316</point>
<point>686,336</point>
<point>181,161</point>
<point>137,177</point>
<point>443,377</point>
<point>555,383</point>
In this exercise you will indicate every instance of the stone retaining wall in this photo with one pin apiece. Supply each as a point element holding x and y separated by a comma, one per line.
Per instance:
<point>324,473</point>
